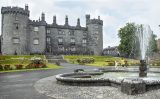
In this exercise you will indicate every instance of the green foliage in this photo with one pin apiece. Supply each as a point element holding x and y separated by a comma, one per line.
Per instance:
<point>129,44</point>
<point>85,60</point>
<point>127,36</point>
<point>99,61</point>
<point>36,62</point>
<point>153,44</point>
<point>14,63</point>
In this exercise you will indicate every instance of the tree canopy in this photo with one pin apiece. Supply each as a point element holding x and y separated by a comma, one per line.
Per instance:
<point>129,46</point>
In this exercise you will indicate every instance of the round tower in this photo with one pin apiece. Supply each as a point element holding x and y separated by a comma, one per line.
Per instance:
<point>95,34</point>
<point>14,30</point>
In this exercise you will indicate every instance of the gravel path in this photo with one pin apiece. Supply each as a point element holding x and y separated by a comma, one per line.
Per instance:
<point>49,87</point>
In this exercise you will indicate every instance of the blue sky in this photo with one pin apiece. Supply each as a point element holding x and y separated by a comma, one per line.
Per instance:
<point>114,13</point>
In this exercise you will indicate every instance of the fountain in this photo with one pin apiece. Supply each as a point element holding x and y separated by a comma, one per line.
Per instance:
<point>126,79</point>
<point>143,34</point>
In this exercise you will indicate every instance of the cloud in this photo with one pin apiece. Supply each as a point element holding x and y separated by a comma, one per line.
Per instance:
<point>114,13</point>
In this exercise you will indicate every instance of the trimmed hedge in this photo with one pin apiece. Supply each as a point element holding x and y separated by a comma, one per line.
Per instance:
<point>36,62</point>
<point>85,60</point>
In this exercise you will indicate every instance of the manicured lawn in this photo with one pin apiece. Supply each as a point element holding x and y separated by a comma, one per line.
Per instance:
<point>24,60</point>
<point>100,61</point>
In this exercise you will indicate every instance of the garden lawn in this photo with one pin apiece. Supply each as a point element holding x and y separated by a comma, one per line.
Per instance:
<point>24,60</point>
<point>100,61</point>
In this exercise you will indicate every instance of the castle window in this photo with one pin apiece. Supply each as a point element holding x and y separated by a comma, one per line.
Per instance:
<point>15,32</point>
<point>96,26</point>
<point>48,40</point>
<point>16,40</point>
<point>96,32</point>
<point>16,17</point>
<point>60,32</point>
<point>48,31</point>
<point>72,40</point>
<point>60,41</point>
<point>96,38</point>
<point>61,48</point>
<point>71,33</point>
<point>36,29</point>
<point>84,41</point>
<point>36,41</point>
<point>16,26</point>
<point>73,49</point>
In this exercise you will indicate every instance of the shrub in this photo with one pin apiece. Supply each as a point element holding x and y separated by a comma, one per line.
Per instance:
<point>19,66</point>
<point>7,67</point>
<point>1,67</point>
<point>85,60</point>
<point>36,62</point>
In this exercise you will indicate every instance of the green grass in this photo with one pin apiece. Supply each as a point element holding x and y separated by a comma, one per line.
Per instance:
<point>24,60</point>
<point>100,61</point>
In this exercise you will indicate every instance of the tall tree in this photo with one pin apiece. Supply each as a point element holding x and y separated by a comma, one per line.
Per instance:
<point>127,42</point>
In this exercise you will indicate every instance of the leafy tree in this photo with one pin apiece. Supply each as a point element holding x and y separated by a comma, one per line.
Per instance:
<point>153,43</point>
<point>127,42</point>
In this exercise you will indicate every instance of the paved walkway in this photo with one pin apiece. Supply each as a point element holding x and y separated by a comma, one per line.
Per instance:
<point>19,85</point>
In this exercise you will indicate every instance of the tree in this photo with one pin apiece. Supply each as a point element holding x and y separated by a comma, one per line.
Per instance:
<point>153,44</point>
<point>127,42</point>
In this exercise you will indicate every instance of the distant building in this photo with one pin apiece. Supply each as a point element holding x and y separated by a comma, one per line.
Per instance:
<point>21,35</point>
<point>111,51</point>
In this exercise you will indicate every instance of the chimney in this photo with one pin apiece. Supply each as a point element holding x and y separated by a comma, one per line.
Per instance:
<point>43,17</point>
<point>26,6</point>
<point>87,18</point>
<point>78,22</point>
<point>66,20</point>
<point>54,20</point>
<point>99,17</point>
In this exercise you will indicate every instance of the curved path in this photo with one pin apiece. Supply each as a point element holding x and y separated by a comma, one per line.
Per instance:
<point>19,85</point>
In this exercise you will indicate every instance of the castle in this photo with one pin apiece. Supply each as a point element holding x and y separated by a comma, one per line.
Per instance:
<point>21,35</point>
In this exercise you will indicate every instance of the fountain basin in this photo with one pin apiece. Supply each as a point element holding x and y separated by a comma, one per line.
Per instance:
<point>131,84</point>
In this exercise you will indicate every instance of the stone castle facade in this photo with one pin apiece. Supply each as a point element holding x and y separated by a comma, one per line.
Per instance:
<point>21,35</point>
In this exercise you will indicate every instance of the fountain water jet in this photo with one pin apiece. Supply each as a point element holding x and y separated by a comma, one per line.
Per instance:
<point>143,34</point>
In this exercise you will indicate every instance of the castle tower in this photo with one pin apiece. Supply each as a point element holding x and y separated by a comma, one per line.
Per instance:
<point>14,30</point>
<point>95,34</point>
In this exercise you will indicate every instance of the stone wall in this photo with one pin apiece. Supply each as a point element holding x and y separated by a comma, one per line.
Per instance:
<point>14,26</point>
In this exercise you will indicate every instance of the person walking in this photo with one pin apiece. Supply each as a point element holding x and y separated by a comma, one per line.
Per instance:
<point>122,62</point>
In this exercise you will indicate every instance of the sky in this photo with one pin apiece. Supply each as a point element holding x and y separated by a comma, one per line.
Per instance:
<point>114,13</point>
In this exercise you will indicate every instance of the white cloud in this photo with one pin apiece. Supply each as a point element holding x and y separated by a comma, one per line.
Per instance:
<point>114,13</point>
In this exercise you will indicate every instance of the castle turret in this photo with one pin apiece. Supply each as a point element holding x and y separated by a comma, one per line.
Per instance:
<point>95,32</point>
<point>14,33</point>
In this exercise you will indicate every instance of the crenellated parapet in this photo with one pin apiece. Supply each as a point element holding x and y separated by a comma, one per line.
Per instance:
<point>36,22</point>
<point>93,21</point>
<point>96,21</point>
<point>14,10</point>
